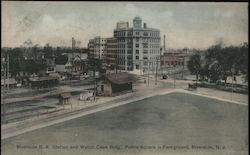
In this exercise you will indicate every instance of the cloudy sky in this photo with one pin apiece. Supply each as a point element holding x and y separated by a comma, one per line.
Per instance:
<point>192,25</point>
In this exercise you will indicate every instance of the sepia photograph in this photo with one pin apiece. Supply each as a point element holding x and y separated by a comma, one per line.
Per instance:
<point>124,78</point>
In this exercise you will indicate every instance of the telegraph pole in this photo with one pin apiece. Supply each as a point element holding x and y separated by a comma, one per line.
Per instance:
<point>232,84</point>
<point>8,69</point>
<point>156,71</point>
<point>5,65</point>
<point>174,76</point>
<point>148,72</point>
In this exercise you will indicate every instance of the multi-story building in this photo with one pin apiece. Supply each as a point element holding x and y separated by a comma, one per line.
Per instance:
<point>174,59</point>
<point>97,47</point>
<point>111,53</point>
<point>138,48</point>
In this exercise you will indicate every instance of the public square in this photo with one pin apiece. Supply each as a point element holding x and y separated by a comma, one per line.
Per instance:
<point>175,119</point>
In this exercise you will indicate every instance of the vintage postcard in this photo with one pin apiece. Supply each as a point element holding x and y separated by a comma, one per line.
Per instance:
<point>134,78</point>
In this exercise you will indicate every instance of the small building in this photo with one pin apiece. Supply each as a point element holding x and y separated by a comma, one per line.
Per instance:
<point>86,95</point>
<point>43,82</point>
<point>11,82</point>
<point>64,98</point>
<point>114,84</point>
<point>174,59</point>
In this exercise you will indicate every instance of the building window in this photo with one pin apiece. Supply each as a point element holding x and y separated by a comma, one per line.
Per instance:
<point>137,66</point>
<point>145,33</point>
<point>136,45</point>
<point>102,88</point>
<point>137,51</point>
<point>145,51</point>
<point>137,57</point>
<point>137,39</point>
<point>137,33</point>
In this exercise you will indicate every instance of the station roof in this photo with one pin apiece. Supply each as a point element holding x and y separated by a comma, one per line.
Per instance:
<point>118,78</point>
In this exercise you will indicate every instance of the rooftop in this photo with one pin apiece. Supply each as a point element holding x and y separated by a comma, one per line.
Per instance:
<point>119,78</point>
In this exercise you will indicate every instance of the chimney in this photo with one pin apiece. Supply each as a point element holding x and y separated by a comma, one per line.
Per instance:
<point>145,25</point>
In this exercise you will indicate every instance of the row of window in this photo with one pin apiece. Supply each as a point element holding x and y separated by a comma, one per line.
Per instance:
<point>137,33</point>
<point>123,63</point>
<point>122,51</point>
<point>145,45</point>
<point>154,45</point>
<point>137,39</point>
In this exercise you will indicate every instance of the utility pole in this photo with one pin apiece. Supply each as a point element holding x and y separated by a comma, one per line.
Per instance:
<point>164,48</point>
<point>8,69</point>
<point>232,83</point>
<point>174,77</point>
<point>95,90</point>
<point>156,71</point>
<point>4,66</point>
<point>148,72</point>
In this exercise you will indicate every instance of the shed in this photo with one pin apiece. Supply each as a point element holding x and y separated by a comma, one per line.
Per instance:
<point>114,84</point>
<point>86,95</point>
<point>64,98</point>
<point>46,81</point>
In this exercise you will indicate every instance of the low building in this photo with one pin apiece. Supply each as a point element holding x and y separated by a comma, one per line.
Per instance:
<point>171,59</point>
<point>11,82</point>
<point>75,62</point>
<point>114,84</point>
<point>64,98</point>
<point>43,82</point>
<point>86,95</point>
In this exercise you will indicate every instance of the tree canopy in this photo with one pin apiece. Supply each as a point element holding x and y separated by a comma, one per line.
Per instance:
<point>221,62</point>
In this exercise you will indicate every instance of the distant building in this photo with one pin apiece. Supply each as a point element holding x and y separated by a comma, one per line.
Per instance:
<point>74,63</point>
<point>111,55</point>
<point>64,98</point>
<point>43,82</point>
<point>174,59</point>
<point>11,82</point>
<point>97,48</point>
<point>138,46</point>
<point>51,66</point>
<point>114,84</point>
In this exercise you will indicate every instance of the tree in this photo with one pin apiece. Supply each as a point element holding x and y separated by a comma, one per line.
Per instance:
<point>61,60</point>
<point>223,60</point>
<point>15,58</point>
<point>32,66</point>
<point>194,65</point>
<point>94,65</point>
<point>48,51</point>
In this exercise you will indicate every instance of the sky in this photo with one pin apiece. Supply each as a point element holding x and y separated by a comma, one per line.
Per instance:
<point>185,24</point>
